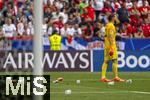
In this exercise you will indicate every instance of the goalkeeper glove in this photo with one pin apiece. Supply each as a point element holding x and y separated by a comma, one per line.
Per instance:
<point>111,52</point>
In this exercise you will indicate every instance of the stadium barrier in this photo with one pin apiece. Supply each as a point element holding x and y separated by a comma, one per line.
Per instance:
<point>83,60</point>
<point>25,43</point>
<point>133,55</point>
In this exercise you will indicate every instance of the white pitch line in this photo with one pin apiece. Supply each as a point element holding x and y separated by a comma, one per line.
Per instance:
<point>104,92</point>
<point>96,79</point>
<point>90,92</point>
<point>140,92</point>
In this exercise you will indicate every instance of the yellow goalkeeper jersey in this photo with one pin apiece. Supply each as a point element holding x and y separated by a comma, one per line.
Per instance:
<point>110,30</point>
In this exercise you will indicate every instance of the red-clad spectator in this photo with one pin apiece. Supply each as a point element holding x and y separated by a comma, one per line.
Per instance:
<point>146,29</point>
<point>47,5</point>
<point>134,29</point>
<point>134,14</point>
<point>107,8</point>
<point>15,2</point>
<point>88,31</point>
<point>1,4</point>
<point>59,23</point>
<point>91,11</point>
<point>85,16</point>
<point>129,29</point>
<point>144,10</point>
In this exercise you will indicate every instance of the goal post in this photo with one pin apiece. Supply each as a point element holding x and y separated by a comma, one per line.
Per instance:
<point>37,40</point>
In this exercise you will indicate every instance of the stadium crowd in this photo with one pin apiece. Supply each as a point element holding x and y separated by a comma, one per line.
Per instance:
<point>76,18</point>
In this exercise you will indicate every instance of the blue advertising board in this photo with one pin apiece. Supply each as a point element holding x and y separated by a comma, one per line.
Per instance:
<point>81,44</point>
<point>134,56</point>
<point>127,60</point>
<point>137,44</point>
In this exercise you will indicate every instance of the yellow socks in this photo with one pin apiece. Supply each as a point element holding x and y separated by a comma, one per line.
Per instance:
<point>104,69</point>
<point>114,68</point>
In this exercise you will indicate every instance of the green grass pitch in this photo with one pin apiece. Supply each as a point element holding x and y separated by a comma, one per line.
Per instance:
<point>91,89</point>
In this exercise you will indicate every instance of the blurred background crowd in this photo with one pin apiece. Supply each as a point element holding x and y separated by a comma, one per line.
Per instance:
<point>76,18</point>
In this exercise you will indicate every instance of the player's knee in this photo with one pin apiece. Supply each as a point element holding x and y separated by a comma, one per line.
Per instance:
<point>106,61</point>
<point>115,61</point>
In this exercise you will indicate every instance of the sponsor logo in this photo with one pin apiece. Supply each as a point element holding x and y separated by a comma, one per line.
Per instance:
<point>127,60</point>
<point>132,61</point>
<point>52,61</point>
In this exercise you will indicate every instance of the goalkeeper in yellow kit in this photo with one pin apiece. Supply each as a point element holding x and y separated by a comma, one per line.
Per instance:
<point>110,50</point>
